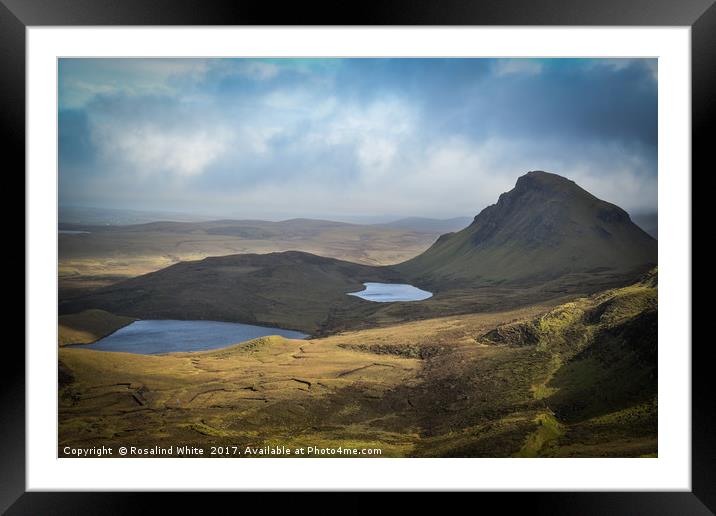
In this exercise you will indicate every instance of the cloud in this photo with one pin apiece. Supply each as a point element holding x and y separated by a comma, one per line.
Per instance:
<point>259,70</point>
<point>82,80</point>
<point>321,138</point>
<point>149,149</point>
<point>150,135</point>
<point>517,66</point>
<point>375,132</point>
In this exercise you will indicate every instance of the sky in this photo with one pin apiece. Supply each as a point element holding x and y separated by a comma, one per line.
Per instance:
<point>341,138</point>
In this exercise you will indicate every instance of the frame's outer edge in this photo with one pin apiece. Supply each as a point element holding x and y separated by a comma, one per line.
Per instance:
<point>703,114</point>
<point>457,12</point>
<point>12,138</point>
<point>383,12</point>
<point>547,504</point>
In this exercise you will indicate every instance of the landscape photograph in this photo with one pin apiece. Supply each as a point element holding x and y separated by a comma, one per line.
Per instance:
<point>357,257</point>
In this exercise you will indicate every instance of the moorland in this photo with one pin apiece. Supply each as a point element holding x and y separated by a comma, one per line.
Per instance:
<point>96,255</point>
<point>540,338</point>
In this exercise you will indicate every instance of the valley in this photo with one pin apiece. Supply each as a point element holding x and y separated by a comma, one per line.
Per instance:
<point>93,256</point>
<point>565,380</point>
<point>538,336</point>
<point>547,239</point>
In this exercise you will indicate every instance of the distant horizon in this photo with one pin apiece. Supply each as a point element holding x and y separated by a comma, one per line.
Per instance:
<point>365,219</point>
<point>209,217</point>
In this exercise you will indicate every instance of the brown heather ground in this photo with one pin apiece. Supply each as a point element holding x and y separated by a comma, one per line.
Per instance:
<point>107,255</point>
<point>88,326</point>
<point>578,379</point>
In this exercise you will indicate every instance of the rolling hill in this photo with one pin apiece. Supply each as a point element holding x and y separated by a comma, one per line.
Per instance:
<point>546,227</point>
<point>547,239</point>
<point>88,326</point>
<point>93,256</point>
<point>292,290</point>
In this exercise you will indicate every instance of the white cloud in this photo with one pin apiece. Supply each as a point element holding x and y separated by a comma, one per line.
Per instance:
<point>130,77</point>
<point>617,64</point>
<point>254,141</point>
<point>149,149</point>
<point>376,132</point>
<point>260,70</point>
<point>517,66</point>
<point>375,154</point>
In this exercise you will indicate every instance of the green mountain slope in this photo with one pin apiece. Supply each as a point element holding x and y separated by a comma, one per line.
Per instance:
<point>579,380</point>
<point>544,228</point>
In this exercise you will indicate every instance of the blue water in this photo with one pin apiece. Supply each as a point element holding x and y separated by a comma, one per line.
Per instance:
<point>152,337</point>
<point>71,232</point>
<point>390,292</point>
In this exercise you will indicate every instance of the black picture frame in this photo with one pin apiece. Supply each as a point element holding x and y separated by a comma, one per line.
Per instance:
<point>700,15</point>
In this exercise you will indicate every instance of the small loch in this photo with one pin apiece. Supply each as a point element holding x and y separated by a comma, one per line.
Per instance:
<point>391,292</point>
<point>169,336</point>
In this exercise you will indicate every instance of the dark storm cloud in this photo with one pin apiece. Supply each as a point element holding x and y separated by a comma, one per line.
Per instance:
<point>591,101</point>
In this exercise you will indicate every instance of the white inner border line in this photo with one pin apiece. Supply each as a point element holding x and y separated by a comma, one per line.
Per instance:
<point>670,471</point>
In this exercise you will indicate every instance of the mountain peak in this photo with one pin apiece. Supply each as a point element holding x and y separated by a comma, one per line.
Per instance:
<point>545,227</point>
<point>537,191</point>
<point>541,175</point>
<point>538,180</point>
